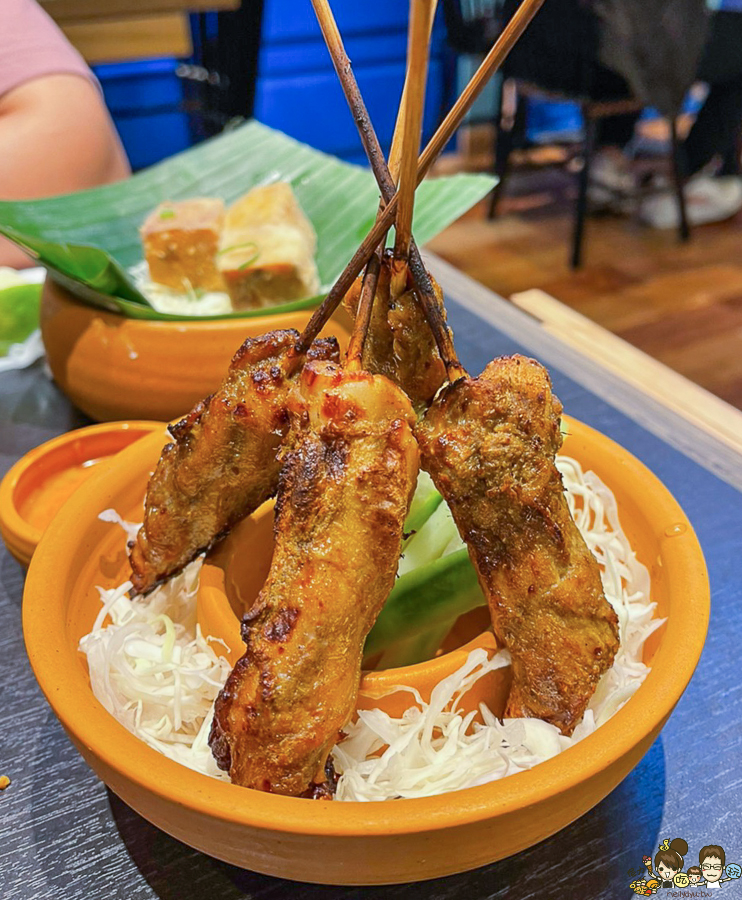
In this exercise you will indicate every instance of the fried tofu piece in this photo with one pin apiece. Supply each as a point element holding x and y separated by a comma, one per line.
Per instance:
<point>181,240</point>
<point>266,253</point>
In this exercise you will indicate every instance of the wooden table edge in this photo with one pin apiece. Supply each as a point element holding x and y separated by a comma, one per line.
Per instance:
<point>682,414</point>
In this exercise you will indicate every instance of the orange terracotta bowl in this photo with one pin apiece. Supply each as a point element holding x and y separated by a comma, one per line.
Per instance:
<point>36,487</point>
<point>112,367</point>
<point>359,843</point>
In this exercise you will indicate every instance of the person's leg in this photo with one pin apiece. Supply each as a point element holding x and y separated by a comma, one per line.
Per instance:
<point>612,179</point>
<point>716,129</point>
<point>553,52</point>
<point>714,134</point>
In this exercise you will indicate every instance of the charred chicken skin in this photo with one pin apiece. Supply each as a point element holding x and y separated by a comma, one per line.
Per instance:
<point>222,463</point>
<point>399,343</point>
<point>489,444</point>
<point>348,475</point>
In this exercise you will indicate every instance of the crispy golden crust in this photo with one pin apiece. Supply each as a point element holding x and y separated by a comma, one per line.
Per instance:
<point>180,242</point>
<point>345,487</point>
<point>489,443</point>
<point>223,461</point>
<point>267,247</point>
<point>399,343</point>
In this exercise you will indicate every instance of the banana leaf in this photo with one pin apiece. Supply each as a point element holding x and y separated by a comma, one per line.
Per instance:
<point>89,239</point>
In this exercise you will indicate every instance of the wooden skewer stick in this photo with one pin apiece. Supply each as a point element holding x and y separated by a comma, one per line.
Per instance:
<point>503,45</point>
<point>415,81</point>
<point>395,154</point>
<point>385,179</point>
<point>505,42</point>
<point>354,357</point>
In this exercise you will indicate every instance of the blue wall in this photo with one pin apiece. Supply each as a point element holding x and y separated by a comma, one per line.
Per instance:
<point>297,90</point>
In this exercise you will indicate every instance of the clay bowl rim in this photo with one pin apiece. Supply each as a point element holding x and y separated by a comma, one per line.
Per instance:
<point>13,522</point>
<point>683,636</point>
<point>61,294</point>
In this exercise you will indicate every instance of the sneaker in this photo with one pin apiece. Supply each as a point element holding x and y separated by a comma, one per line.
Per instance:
<point>612,183</point>
<point>707,200</point>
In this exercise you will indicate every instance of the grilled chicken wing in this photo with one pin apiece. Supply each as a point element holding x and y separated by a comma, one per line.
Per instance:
<point>399,343</point>
<point>346,482</point>
<point>489,443</point>
<point>223,462</point>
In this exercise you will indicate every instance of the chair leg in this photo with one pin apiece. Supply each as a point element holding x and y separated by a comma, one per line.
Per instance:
<point>511,113</point>
<point>677,176</point>
<point>591,128</point>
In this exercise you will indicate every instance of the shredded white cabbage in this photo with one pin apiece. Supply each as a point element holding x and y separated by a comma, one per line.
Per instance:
<point>152,669</point>
<point>131,528</point>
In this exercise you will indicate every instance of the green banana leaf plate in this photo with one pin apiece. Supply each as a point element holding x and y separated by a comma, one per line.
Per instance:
<point>89,239</point>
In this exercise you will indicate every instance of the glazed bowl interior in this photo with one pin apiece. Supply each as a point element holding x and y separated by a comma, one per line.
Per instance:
<point>36,487</point>
<point>359,843</point>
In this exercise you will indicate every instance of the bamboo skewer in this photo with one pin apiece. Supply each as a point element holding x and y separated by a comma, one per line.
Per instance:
<point>505,42</point>
<point>421,11</point>
<point>385,176</point>
<point>354,356</point>
<point>491,63</point>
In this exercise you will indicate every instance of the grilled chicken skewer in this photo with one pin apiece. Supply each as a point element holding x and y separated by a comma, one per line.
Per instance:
<point>385,352</point>
<point>489,444</point>
<point>409,351</point>
<point>349,472</point>
<point>399,343</point>
<point>223,462</point>
<point>347,479</point>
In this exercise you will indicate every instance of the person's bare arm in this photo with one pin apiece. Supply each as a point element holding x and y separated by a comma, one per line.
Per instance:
<point>56,136</point>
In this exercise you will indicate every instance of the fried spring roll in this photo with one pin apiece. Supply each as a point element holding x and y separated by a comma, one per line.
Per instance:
<point>223,461</point>
<point>345,488</point>
<point>489,444</point>
<point>399,343</point>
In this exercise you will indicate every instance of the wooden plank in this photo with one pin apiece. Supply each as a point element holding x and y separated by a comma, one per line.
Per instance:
<point>680,303</point>
<point>94,10</point>
<point>135,38</point>
<point>690,435</point>
<point>673,390</point>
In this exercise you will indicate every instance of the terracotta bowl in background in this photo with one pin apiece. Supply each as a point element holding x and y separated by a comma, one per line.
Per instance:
<point>358,843</point>
<point>112,367</point>
<point>37,486</point>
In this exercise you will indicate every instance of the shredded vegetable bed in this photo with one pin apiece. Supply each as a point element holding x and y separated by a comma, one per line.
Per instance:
<point>159,676</point>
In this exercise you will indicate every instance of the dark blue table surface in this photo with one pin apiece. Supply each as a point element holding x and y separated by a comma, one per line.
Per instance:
<point>63,835</point>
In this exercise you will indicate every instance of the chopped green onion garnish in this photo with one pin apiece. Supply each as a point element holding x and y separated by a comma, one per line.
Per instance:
<point>237,247</point>
<point>249,262</point>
